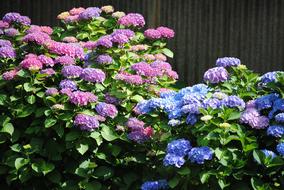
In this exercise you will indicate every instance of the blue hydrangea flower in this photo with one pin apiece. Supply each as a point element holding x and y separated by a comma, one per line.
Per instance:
<point>155,185</point>
<point>174,122</point>
<point>228,62</point>
<point>200,154</point>
<point>269,153</point>
<point>280,148</point>
<point>68,84</point>
<point>191,119</point>
<point>278,105</point>
<point>173,160</point>
<point>269,77</point>
<point>213,103</point>
<point>233,101</point>
<point>179,147</point>
<point>168,94</point>
<point>279,118</point>
<point>266,101</point>
<point>275,130</point>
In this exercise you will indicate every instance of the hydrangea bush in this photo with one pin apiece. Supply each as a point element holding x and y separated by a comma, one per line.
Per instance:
<point>226,133</point>
<point>67,95</point>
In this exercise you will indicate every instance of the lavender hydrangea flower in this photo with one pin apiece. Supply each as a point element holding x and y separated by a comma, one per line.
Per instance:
<point>120,39</point>
<point>134,123</point>
<point>16,17</point>
<point>51,91</point>
<point>279,118</point>
<point>127,32</point>
<point>141,135</point>
<point>260,122</point>
<point>71,71</point>
<point>200,154</point>
<point>130,79</point>
<point>173,160</point>
<point>11,32</point>
<point>132,19</point>
<point>5,43</point>
<point>106,110</point>
<point>216,75</point>
<point>86,122</point>
<point>174,122</point>
<point>269,77</point>
<point>228,62</point>
<point>90,13</point>
<point>143,68</point>
<point>155,185</point>
<point>93,75</point>
<point>104,59</point>
<point>7,52</point>
<point>152,34</point>
<point>65,60</point>
<point>68,84</point>
<point>104,41</point>
<point>280,148</point>
<point>275,130</point>
<point>248,115</point>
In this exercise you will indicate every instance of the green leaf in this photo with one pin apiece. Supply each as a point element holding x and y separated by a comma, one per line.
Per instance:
<point>82,148</point>
<point>71,136</point>
<point>31,99</point>
<point>184,171</point>
<point>104,172</point>
<point>3,99</point>
<point>234,115</point>
<point>82,35</point>
<point>137,98</point>
<point>97,136</point>
<point>42,167</point>
<point>28,87</point>
<point>49,122</point>
<point>174,182</point>
<point>108,134</point>
<point>20,162</point>
<point>168,52</point>
<point>8,128</point>
<point>25,111</point>
<point>94,185</point>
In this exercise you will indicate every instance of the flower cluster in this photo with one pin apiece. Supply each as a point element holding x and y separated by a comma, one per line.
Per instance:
<point>137,131</point>
<point>155,185</point>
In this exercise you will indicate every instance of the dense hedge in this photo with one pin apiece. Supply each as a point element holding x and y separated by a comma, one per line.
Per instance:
<point>91,105</point>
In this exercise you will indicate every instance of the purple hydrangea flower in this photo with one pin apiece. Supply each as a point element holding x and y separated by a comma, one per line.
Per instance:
<point>260,122</point>
<point>275,130</point>
<point>104,59</point>
<point>111,99</point>
<point>161,65</point>
<point>130,79</point>
<point>39,38</point>
<point>86,122</point>
<point>143,68</point>
<point>132,19</point>
<point>280,148</point>
<point>65,60</point>
<point>47,61</point>
<point>166,32</point>
<point>80,98</point>
<point>5,43</point>
<point>213,103</point>
<point>9,75</point>
<point>200,154</point>
<point>68,84</point>
<point>71,71</point>
<point>279,118</point>
<point>104,41</point>
<point>127,32</point>
<point>155,185</point>
<point>11,32</point>
<point>16,17</point>
<point>228,62</point>
<point>93,75</point>
<point>7,52</point>
<point>51,91</point>
<point>173,160</point>
<point>3,24</point>
<point>90,13</point>
<point>216,75</point>
<point>152,34</point>
<point>106,110</point>
<point>120,39</point>
<point>179,147</point>
<point>135,124</point>
<point>191,119</point>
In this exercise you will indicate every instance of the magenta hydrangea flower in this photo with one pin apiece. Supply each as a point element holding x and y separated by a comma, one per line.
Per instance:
<point>65,60</point>
<point>152,34</point>
<point>106,110</point>
<point>9,75</point>
<point>11,32</point>
<point>129,78</point>
<point>51,92</point>
<point>68,49</point>
<point>91,45</point>
<point>80,98</point>
<point>93,75</point>
<point>90,13</point>
<point>104,59</point>
<point>166,32</point>
<point>171,74</point>
<point>48,71</point>
<point>4,24</point>
<point>68,84</point>
<point>37,37</point>
<point>216,75</point>
<point>132,19</point>
<point>76,11</point>
<point>71,71</point>
<point>35,28</point>
<point>31,63</point>
<point>47,61</point>
<point>7,52</point>
<point>104,41</point>
<point>66,91</point>
<point>145,69</point>
<point>86,122</point>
